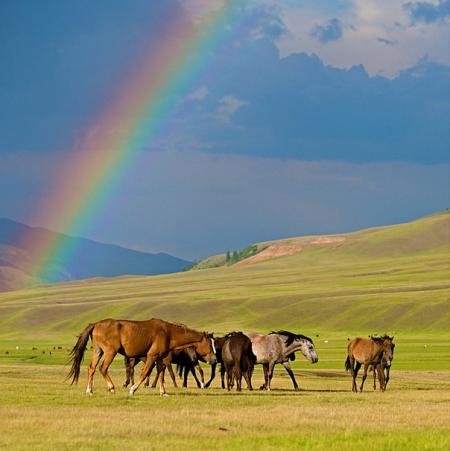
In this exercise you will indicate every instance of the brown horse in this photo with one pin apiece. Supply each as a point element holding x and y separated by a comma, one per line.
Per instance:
<point>368,352</point>
<point>238,359</point>
<point>153,338</point>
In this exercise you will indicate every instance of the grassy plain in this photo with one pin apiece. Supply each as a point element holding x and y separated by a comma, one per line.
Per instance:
<point>393,279</point>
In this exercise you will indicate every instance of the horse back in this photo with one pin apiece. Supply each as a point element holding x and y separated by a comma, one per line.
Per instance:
<point>131,338</point>
<point>364,350</point>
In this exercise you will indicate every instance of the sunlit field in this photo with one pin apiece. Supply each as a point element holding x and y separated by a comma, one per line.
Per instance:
<point>39,410</point>
<point>392,280</point>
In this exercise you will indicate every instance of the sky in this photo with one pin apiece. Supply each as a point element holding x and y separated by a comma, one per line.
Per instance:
<point>305,117</point>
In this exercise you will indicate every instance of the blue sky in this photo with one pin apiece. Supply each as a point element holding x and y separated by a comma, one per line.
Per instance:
<point>309,117</point>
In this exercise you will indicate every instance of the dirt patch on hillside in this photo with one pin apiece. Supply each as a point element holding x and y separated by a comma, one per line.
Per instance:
<point>284,248</point>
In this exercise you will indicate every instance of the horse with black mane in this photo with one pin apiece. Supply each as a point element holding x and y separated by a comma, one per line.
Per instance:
<point>369,352</point>
<point>238,359</point>
<point>280,347</point>
<point>154,339</point>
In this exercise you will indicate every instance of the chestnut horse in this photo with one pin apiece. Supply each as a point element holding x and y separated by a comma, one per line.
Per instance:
<point>369,352</point>
<point>153,338</point>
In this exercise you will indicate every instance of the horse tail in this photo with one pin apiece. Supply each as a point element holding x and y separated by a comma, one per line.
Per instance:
<point>77,353</point>
<point>348,367</point>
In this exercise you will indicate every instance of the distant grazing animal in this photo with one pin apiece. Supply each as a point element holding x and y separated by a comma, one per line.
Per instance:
<point>238,359</point>
<point>153,338</point>
<point>280,347</point>
<point>187,356</point>
<point>219,342</point>
<point>367,352</point>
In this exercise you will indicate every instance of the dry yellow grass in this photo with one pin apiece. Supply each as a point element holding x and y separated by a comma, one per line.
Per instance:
<point>39,411</point>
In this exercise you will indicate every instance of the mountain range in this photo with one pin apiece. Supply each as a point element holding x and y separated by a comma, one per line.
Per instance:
<point>91,258</point>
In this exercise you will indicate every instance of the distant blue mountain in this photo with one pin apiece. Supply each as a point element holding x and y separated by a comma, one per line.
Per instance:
<point>89,259</point>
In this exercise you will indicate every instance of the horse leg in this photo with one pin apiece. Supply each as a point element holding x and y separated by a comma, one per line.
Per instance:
<point>248,379</point>
<point>213,375</point>
<point>92,366</point>
<point>202,375</point>
<point>374,377</point>
<point>381,377</point>
<point>228,370</point>
<point>265,371</point>
<point>364,376</point>
<point>109,357</point>
<point>149,364</point>
<point>172,375</point>
<point>237,376</point>
<point>354,372</point>
<point>155,380</point>
<point>185,376</point>
<point>288,368</point>
<point>222,375</point>
<point>127,371</point>
<point>270,375</point>
<point>388,369</point>
<point>192,370</point>
<point>162,369</point>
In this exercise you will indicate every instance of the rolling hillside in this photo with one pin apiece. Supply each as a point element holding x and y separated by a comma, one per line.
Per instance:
<point>92,259</point>
<point>387,279</point>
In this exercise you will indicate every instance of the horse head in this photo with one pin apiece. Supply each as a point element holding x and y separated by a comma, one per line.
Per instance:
<point>206,348</point>
<point>307,348</point>
<point>388,349</point>
<point>303,343</point>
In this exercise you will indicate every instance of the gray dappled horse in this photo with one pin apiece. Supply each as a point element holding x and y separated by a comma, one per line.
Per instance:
<point>280,347</point>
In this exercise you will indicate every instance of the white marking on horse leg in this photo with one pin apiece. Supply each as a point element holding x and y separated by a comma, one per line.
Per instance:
<point>213,346</point>
<point>202,385</point>
<point>111,387</point>
<point>89,390</point>
<point>133,388</point>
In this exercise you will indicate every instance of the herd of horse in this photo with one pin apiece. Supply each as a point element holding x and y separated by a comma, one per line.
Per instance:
<point>158,343</point>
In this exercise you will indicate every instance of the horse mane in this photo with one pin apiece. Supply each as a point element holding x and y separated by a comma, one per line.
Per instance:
<point>182,325</point>
<point>381,339</point>
<point>291,337</point>
<point>231,334</point>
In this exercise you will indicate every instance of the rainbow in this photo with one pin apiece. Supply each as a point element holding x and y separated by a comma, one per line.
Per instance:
<point>130,121</point>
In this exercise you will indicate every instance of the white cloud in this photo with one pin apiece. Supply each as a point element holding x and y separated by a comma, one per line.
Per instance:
<point>228,105</point>
<point>199,94</point>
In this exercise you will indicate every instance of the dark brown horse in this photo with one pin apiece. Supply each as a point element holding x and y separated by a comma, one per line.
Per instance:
<point>153,339</point>
<point>188,364</point>
<point>186,357</point>
<point>369,352</point>
<point>238,359</point>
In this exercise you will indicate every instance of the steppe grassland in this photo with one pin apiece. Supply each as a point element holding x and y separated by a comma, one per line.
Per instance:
<point>394,281</point>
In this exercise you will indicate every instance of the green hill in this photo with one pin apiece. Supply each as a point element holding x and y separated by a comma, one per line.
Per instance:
<point>393,278</point>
